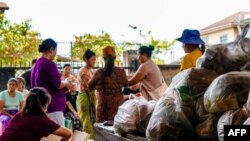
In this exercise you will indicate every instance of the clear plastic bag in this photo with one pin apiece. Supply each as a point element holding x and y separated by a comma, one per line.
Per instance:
<point>227,92</point>
<point>201,113</point>
<point>247,122</point>
<point>229,57</point>
<point>131,113</point>
<point>232,117</point>
<point>207,130</point>
<point>248,102</point>
<point>192,83</point>
<point>246,67</point>
<point>168,121</point>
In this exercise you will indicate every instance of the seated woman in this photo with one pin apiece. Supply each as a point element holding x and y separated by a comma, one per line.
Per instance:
<point>21,87</point>
<point>71,110</point>
<point>10,102</point>
<point>67,73</point>
<point>32,123</point>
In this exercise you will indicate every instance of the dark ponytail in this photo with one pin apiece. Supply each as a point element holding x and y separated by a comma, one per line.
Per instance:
<point>47,44</point>
<point>36,102</point>
<point>202,48</point>
<point>147,50</point>
<point>33,105</point>
<point>109,65</point>
<point>151,48</point>
<point>88,54</point>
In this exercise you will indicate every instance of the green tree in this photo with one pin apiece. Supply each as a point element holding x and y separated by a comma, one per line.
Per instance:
<point>161,46</point>
<point>94,42</point>
<point>98,42</point>
<point>18,43</point>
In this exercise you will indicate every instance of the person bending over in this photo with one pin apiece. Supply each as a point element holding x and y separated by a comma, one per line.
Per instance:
<point>32,123</point>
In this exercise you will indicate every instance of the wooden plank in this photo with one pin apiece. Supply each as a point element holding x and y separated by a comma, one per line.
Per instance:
<point>101,134</point>
<point>106,133</point>
<point>135,138</point>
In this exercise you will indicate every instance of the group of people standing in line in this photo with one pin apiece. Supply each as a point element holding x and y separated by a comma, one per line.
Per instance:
<point>85,99</point>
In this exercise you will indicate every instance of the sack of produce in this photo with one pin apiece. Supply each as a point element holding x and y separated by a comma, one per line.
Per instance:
<point>248,102</point>
<point>131,113</point>
<point>227,92</point>
<point>207,130</point>
<point>199,79</point>
<point>232,117</point>
<point>195,83</point>
<point>168,121</point>
<point>192,82</point>
<point>229,57</point>
<point>142,126</point>
<point>246,67</point>
<point>201,113</point>
<point>247,122</point>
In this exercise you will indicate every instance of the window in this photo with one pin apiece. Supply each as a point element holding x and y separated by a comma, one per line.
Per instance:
<point>223,39</point>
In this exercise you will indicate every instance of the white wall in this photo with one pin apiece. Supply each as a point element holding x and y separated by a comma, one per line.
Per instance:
<point>214,38</point>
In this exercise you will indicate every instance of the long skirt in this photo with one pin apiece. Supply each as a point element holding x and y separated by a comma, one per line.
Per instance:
<point>4,119</point>
<point>107,106</point>
<point>86,110</point>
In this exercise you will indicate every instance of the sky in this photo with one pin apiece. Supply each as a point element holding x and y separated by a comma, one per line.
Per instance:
<point>166,19</point>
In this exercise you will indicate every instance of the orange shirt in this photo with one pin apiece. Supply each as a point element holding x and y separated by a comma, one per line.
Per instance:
<point>189,60</point>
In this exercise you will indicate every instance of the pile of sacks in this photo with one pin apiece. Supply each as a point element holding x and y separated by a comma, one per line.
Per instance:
<point>177,113</point>
<point>200,101</point>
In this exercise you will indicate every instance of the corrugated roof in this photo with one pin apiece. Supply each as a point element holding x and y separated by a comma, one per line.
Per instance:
<point>228,22</point>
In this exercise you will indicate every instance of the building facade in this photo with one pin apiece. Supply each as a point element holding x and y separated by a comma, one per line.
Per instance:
<point>225,30</point>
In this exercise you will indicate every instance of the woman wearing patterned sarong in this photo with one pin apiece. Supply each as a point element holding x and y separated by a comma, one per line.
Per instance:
<point>108,81</point>
<point>86,99</point>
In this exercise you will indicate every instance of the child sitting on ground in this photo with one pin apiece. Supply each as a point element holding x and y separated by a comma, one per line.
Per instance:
<point>71,110</point>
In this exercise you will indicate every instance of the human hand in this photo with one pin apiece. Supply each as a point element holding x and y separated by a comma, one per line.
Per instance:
<point>68,84</point>
<point>76,114</point>
<point>11,116</point>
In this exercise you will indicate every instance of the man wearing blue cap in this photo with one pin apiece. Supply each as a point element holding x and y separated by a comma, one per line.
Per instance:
<point>191,41</point>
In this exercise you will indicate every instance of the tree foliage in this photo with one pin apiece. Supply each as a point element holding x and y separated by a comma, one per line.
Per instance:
<point>97,42</point>
<point>161,46</point>
<point>94,42</point>
<point>18,43</point>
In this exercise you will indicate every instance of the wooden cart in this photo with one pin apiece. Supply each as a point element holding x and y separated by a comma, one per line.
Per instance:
<point>106,133</point>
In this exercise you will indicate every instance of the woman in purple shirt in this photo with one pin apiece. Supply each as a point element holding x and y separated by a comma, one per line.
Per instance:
<point>45,74</point>
<point>32,123</point>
